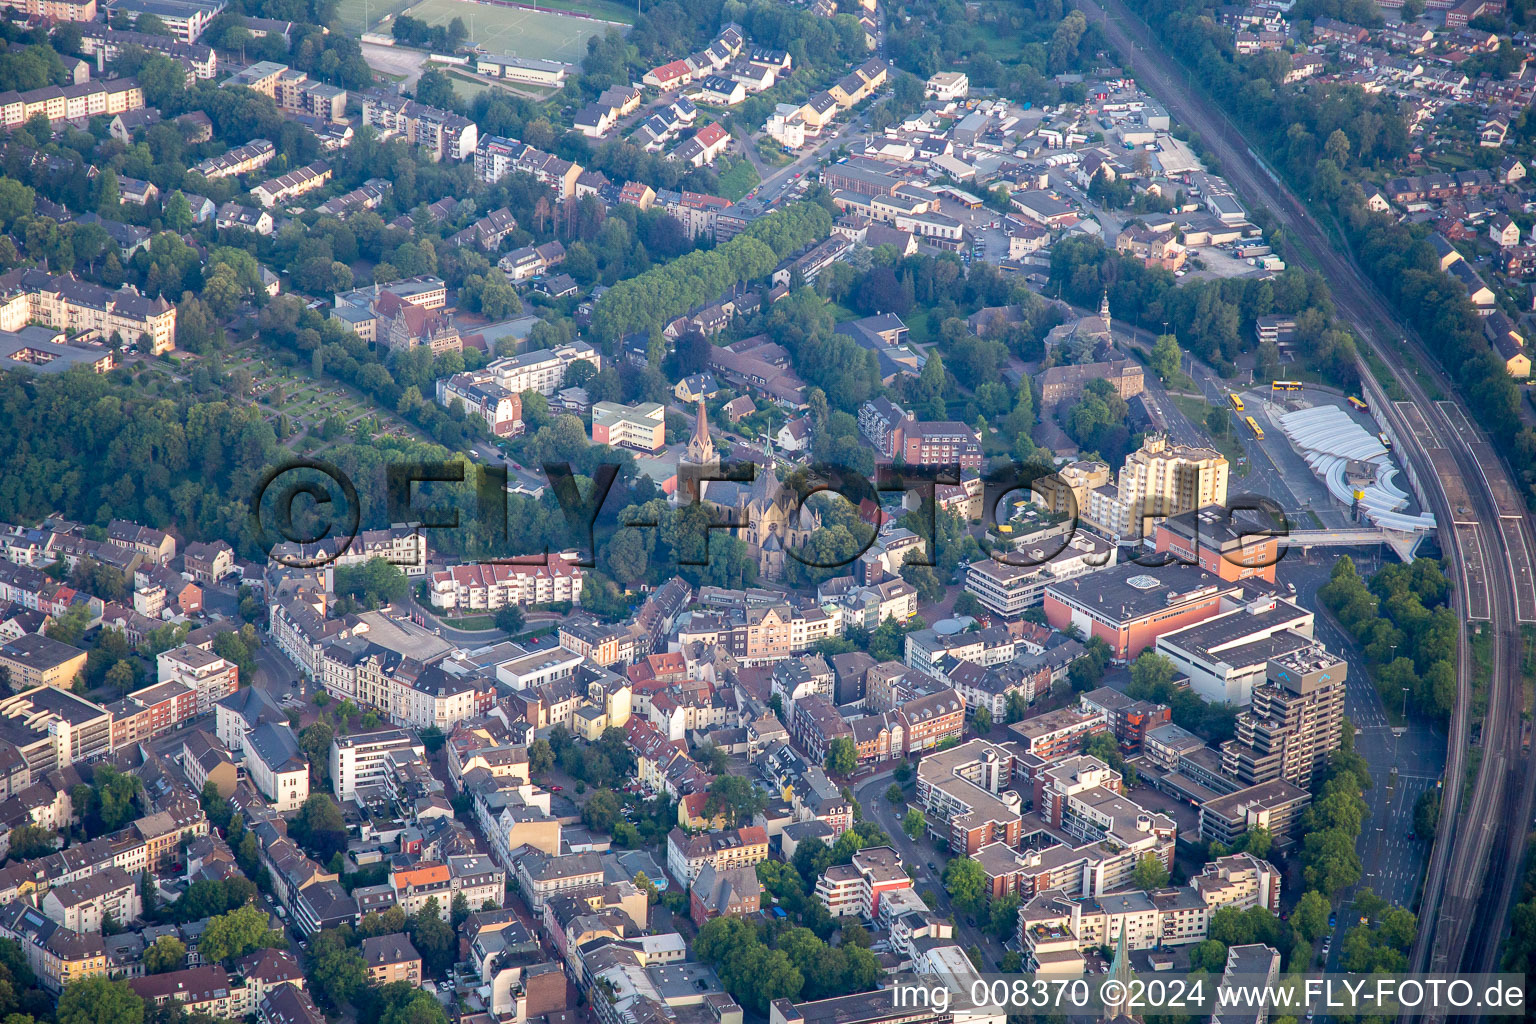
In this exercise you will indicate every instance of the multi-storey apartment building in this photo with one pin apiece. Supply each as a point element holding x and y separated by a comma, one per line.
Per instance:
<point>402,545</point>
<point>763,634</point>
<point>441,134</point>
<point>1054,734</point>
<point>151,711</point>
<point>77,103</point>
<point>68,303</point>
<point>83,905</point>
<point>292,89</point>
<point>1158,480</point>
<point>58,10</point>
<point>542,370</point>
<point>391,958</point>
<point>856,888</point>
<point>34,659</point>
<point>496,157</point>
<point>941,443</point>
<point>210,676</point>
<point>739,847</point>
<point>966,798</point>
<point>1296,720</point>
<point>542,875</point>
<point>500,409</point>
<point>109,42</point>
<point>367,758</point>
<point>291,185</point>
<point>52,728</point>
<point>252,156</point>
<point>1016,580</point>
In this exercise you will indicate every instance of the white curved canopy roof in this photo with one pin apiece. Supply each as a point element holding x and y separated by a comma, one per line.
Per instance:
<point>1328,439</point>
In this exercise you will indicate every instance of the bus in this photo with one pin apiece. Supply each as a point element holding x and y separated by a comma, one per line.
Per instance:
<point>1286,385</point>
<point>1237,401</point>
<point>1386,442</point>
<point>1253,425</point>
<point>1358,404</point>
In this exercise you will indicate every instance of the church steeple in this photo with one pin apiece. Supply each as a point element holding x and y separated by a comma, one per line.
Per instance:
<point>701,450</point>
<point>1104,311</point>
<point>1117,1008</point>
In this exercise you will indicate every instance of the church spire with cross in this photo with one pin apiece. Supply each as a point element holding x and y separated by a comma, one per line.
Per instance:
<point>1104,311</point>
<point>701,449</point>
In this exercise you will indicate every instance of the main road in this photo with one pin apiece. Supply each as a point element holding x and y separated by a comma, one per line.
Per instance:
<point>1478,511</point>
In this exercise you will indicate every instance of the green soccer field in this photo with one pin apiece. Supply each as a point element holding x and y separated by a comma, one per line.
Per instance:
<point>512,30</point>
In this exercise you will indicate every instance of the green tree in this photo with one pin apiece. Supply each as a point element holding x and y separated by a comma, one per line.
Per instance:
<point>237,933</point>
<point>842,757</point>
<point>178,212</point>
<point>913,823</point>
<point>320,828</point>
<point>966,883</point>
<point>1003,920</point>
<point>433,938</point>
<point>399,1002</point>
<point>510,619</point>
<point>735,797</point>
<point>982,720</point>
<point>375,582</point>
<point>540,757</point>
<point>894,794</point>
<point>99,1000</point>
<point>337,971</point>
<point>217,809</point>
<point>151,24</point>
<point>1165,356</point>
<point>458,911</point>
<point>601,810</point>
<point>167,953</point>
<point>1310,917</point>
<point>1216,421</point>
<point>1150,872</point>
<point>29,841</point>
<point>69,627</point>
<point>315,741</point>
<point>1426,814</point>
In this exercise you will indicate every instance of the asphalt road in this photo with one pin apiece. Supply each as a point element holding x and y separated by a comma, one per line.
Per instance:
<point>1404,761</point>
<point>870,795</point>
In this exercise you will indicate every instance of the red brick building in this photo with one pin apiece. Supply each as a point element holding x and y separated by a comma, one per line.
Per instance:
<point>1228,545</point>
<point>1130,606</point>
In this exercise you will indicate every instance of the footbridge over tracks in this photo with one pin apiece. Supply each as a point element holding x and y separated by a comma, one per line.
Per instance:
<point>1402,544</point>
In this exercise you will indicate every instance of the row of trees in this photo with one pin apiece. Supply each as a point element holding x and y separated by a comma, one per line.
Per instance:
<point>648,301</point>
<point>1404,625</point>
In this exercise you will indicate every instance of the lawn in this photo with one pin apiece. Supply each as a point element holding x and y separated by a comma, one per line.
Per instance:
<point>607,10</point>
<point>517,31</point>
<point>1226,442</point>
<point>737,179</point>
<point>470,623</point>
<point>361,15</point>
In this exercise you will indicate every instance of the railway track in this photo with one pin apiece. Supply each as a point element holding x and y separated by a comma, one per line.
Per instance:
<point>1484,527</point>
